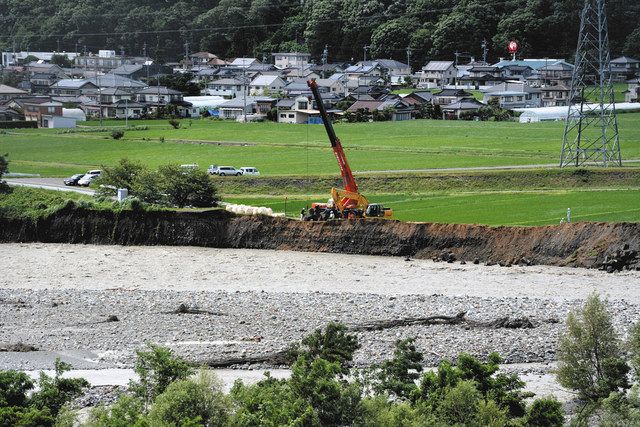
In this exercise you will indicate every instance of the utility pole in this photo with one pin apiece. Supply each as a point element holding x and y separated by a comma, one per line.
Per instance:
<point>58,45</point>
<point>591,128</point>
<point>365,48</point>
<point>485,50</point>
<point>186,54</point>
<point>325,54</point>
<point>84,57</point>
<point>409,57</point>
<point>244,92</point>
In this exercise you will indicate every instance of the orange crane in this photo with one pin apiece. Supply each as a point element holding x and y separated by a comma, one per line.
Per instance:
<point>348,200</point>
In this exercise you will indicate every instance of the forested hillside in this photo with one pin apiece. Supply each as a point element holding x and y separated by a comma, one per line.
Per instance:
<point>231,28</point>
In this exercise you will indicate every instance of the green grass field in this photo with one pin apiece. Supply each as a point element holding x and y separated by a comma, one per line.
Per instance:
<point>303,151</point>
<point>283,149</point>
<point>491,208</point>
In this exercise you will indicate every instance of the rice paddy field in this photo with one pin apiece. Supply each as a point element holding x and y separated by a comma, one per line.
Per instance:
<point>378,149</point>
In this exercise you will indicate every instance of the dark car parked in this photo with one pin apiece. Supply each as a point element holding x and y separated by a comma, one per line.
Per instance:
<point>73,180</point>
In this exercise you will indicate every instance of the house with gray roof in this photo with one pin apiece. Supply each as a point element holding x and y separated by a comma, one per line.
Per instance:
<point>9,92</point>
<point>74,87</point>
<point>464,105</point>
<point>624,68</point>
<point>558,73</point>
<point>400,110</point>
<point>449,96</point>
<point>555,95</point>
<point>437,74</point>
<point>514,95</point>
<point>226,87</point>
<point>236,108</point>
<point>266,85</point>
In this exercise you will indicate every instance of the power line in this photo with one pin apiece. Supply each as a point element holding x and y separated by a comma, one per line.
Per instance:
<point>255,26</point>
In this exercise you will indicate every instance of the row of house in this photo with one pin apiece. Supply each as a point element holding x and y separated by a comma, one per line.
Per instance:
<point>115,86</point>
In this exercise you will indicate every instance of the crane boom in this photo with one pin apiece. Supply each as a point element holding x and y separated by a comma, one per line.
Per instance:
<point>350,186</point>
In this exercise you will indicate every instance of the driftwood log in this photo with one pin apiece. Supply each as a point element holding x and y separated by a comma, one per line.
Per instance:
<point>283,357</point>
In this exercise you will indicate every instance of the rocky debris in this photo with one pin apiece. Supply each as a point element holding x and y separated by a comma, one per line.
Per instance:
<point>620,259</point>
<point>97,395</point>
<point>18,347</point>
<point>259,326</point>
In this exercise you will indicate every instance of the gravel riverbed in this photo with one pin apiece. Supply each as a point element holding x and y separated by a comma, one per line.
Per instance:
<point>58,299</point>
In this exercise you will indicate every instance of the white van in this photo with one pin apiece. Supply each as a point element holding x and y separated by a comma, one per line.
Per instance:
<point>251,171</point>
<point>227,171</point>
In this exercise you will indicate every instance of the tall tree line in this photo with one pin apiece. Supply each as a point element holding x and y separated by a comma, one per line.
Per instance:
<point>432,29</point>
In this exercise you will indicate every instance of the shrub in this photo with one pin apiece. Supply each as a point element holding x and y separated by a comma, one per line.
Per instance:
<point>14,387</point>
<point>174,123</point>
<point>55,391</point>
<point>4,168</point>
<point>200,400</point>
<point>156,369</point>
<point>379,411</point>
<point>545,412</point>
<point>460,404</point>
<point>589,355</point>
<point>117,134</point>
<point>333,344</point>
<point>125,412</point>
<point>634,347</point>
<point>270,403</point>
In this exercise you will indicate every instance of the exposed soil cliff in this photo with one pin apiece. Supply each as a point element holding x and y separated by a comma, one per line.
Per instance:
<point>577,244</point>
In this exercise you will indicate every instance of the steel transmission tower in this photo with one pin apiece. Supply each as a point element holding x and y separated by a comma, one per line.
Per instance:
<point>591,129</point>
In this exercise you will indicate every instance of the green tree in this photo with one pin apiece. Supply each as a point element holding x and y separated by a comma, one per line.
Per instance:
<point>61,60</point>
<point>187,187</point>
<point>389,40</point>
<point>398,375</point>
<point>589,354</point>
<point>123,174</point>
<point>156,369</point>
<point>334,401</point>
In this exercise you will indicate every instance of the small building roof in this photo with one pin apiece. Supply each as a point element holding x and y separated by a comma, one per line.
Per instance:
<point>464,104</point>
<point>161,90</point>
<point>453,92</point>
<point>438,66</point>
<point>72,83</point>
<point>266,80</point>
<point>625,60</point>
<point>9,90</point>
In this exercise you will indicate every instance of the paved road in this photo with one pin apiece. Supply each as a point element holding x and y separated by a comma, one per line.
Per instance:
<point>48,184</point>
<point>476,168</point>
